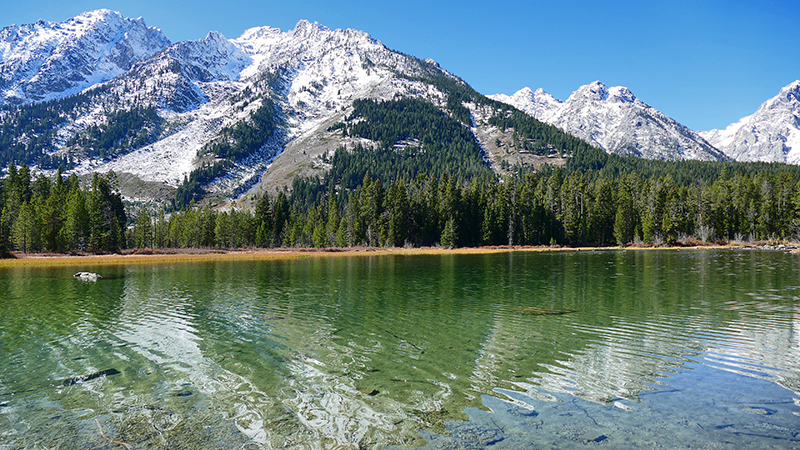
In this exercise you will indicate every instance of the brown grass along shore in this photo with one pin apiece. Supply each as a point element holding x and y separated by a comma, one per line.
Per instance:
<point>176,255</point>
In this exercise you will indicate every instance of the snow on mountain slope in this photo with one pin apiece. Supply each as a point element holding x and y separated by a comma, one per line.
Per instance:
<point>177,78</point>
<point>312,73</point>
<point>327,69</point>
<point>48,60</point>
<point>324,71</point>
<point>614,119</point>
<point>771,134</point>
<point>539,104</point>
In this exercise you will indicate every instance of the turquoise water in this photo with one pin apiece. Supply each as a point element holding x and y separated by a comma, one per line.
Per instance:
<point>676,348</point>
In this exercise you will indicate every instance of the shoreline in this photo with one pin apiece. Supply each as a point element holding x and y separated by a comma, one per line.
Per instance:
<point>183,255</point>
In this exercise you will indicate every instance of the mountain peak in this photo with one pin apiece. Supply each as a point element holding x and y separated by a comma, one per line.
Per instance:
<point>525,92</point>
<point>596,91</point>
<point>306,28</point>
<point>538,104</point>
<point>621,94</point>
<point>99,18</point>
<point>612,118</point>
<point>99,14</point>
<point>788,99</point>
<point>793,86</point>
<point>792,90</point>
<point>49,60</point>
<point>215,36</point>
<point>771,134</point>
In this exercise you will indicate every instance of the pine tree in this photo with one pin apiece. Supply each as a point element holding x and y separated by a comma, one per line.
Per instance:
<point>280,214</point>
<point>24,231</point>
<point>75,231</point>
<point>624,220</point>
<point>5,232</point>
<point>449,236</point>
<point>264,220</point>
<point>143,230</point>
<point>332,222</point>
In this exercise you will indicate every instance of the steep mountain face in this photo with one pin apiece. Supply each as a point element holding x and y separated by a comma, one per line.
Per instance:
<point>227,117</point>
<point>612,118</point>
<point>235,102</point>
<point>311,74</point>
<point>771,134</point>
<point>47,60</point>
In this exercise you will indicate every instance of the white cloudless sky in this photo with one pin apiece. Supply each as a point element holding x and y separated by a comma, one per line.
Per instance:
<point>705,63</point>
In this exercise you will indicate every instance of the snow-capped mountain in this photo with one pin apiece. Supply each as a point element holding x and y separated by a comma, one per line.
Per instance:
<point>48,60</point>
<point>538,104</point>
<point>189,98</point>
<point>771,134</point>
<point>313,73</point>
<point>272,105</point>
<point>614,119</point>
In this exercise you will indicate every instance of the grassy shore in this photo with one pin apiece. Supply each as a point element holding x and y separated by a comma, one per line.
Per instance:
<point>175,255</point>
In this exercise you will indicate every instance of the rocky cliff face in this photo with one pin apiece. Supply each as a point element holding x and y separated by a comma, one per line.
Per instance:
<point>612,118</point>
<point>47,60</point>
<point>198,89</point>
<point>771,134</point>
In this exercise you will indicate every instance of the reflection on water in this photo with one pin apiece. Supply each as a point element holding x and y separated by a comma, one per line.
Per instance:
<point>369,351</point>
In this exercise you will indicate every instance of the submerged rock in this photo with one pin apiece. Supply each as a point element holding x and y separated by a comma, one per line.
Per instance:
<point>536,311</point>
<point>92,376</point>
<point>87,276</point>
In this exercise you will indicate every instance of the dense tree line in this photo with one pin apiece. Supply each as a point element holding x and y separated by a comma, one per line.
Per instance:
<point>598,162</point>
<point>553,206</point>
<point>206,227</point>
<point>58,215</point>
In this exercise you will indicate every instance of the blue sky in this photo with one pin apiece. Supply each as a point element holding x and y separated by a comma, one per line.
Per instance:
<point>706,63</point>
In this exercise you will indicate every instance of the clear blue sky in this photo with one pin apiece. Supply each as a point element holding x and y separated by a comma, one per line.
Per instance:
<point>704,63</point>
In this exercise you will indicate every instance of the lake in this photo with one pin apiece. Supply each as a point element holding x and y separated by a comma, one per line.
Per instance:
<point>657,348</point>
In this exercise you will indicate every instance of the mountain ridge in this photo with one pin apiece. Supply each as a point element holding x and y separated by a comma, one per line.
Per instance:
<point>194,105</point>
<point>771,134</point>
<point>613,119</point>
<point>48,60</point>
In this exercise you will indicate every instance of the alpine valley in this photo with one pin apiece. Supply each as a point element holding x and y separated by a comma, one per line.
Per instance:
<point>221,120</point>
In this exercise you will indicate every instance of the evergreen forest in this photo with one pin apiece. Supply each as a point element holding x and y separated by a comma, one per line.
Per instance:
<point>59,215</point>
<point>617,204</point>
<point>425,182</point>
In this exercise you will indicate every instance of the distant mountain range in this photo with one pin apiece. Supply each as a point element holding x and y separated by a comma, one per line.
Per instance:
<point>612,118</point>
<point>103,92</point>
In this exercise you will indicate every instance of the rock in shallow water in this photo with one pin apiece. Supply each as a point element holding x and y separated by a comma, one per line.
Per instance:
<point>87,276</point>
<point>92,376</point>
<point>536,311</point>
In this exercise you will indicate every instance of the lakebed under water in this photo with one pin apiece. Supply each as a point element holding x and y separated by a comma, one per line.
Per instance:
<point>663,348</point>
